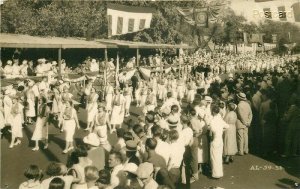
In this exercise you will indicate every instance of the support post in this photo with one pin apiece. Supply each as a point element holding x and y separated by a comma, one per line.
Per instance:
<point>117,69</point>
<point>59,63</point>
<point>137,57</point>
<point>105,67</point>
<point>161,63</point>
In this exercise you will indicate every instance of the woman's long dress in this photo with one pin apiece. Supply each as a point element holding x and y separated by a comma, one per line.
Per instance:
<point>91,110</point>
<point>30,108</point>
<point>7,109</point>
<point>41,127</point>
<point>117,114</point>
<point>217,125</point>
<point>69,123</point>
<point>230,143</point>
<point>109,98</point>
<point>127,95</point>
<point>16,120</point>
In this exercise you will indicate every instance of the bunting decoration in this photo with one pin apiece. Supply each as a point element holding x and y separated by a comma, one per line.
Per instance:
<point>203,15</point>
<point>127,19</point>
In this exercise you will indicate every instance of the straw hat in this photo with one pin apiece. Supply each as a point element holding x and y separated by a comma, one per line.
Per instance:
<point>131,145</point>
<point>131,168</point>
<point>241,96</point>
<point>91,139</point>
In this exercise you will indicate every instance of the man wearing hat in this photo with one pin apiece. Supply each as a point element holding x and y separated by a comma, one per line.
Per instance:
<point>131,148</point>
<point>145,173</point>
<point>244,114</point>
<point>95,153</point>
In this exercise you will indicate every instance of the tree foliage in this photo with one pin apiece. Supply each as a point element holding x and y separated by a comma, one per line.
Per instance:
<point>88,19</point>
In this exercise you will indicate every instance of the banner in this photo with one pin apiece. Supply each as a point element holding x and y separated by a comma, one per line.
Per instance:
<point>145,73</point>
<point>201,17</point>
<point>127,19</point>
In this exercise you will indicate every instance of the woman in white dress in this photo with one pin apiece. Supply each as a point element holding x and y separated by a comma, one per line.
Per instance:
<point>7,103</point>
<point>217,126</point>
<point>180,90</point>
<point>70,122</point>
<point>109,92</point>
<point>144,92</point>
<point>118,111</point>
<point>230,143</point>
<point>101,121</point>
<point>91,108</point>
<point>128,97</point>
<point>138,94</point>
<point>41,126</point>
<point>16,122</point>
<point>30,105</point>
<point>1,114</point>
<point>191,91</point>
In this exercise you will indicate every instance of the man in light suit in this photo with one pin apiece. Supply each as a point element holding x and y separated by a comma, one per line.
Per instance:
<point>244,114</point>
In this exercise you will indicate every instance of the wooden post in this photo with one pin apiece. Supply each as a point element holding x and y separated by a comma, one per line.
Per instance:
<point>161,63</point>
<point>117,69</point>
<point>105,67</point>
<point>137,57</point>
<point>59,63</point>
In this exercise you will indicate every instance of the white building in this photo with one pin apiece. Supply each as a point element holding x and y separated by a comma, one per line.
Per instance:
<point>259,10</point>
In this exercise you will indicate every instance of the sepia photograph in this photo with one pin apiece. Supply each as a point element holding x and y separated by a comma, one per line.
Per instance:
<point>150,94</point>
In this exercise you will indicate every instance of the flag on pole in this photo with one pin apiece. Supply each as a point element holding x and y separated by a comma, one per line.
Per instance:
<point>127,19</point>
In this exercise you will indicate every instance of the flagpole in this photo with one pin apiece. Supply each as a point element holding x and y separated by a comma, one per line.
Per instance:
<point>117,69</point>
<point>105,70</point>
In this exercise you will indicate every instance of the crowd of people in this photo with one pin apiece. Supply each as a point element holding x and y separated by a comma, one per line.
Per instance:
<point>191,121</point>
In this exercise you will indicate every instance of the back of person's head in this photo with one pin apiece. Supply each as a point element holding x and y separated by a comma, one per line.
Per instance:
<point>173,135</point>
<point>193,112</point>
<point>57,183</point>
<point>80,151</point>
<point>156,131</point>
<point>54,169</point>
<point>128,136</point>
<point>151,143</point>
<point>215,110</point>
<point>164,135</point>
<point>91,173</point>
<point>169,94</point>
<point>138,129</point>
<point>184,119</point>
<point>104,177</point>
<point>174,108</point>
<point>117,155</point>
<point>33,172</point>
<point>120,132</point>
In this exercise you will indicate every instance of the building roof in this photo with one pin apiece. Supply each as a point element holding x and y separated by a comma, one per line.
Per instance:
<point>143,45</point>
<point>26,41</point>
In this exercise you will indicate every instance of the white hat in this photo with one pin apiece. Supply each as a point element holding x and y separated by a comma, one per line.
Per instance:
<point>92,139</point>
<point>54,63</point>
<point>94,61</point>
<point>9,62</point>
<point>24,62</point>
<point>131,168</point>
<point>230,75</point>
<point>7,91</point>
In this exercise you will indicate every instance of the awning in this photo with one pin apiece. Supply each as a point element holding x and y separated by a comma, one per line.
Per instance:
<point>26,41</point>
